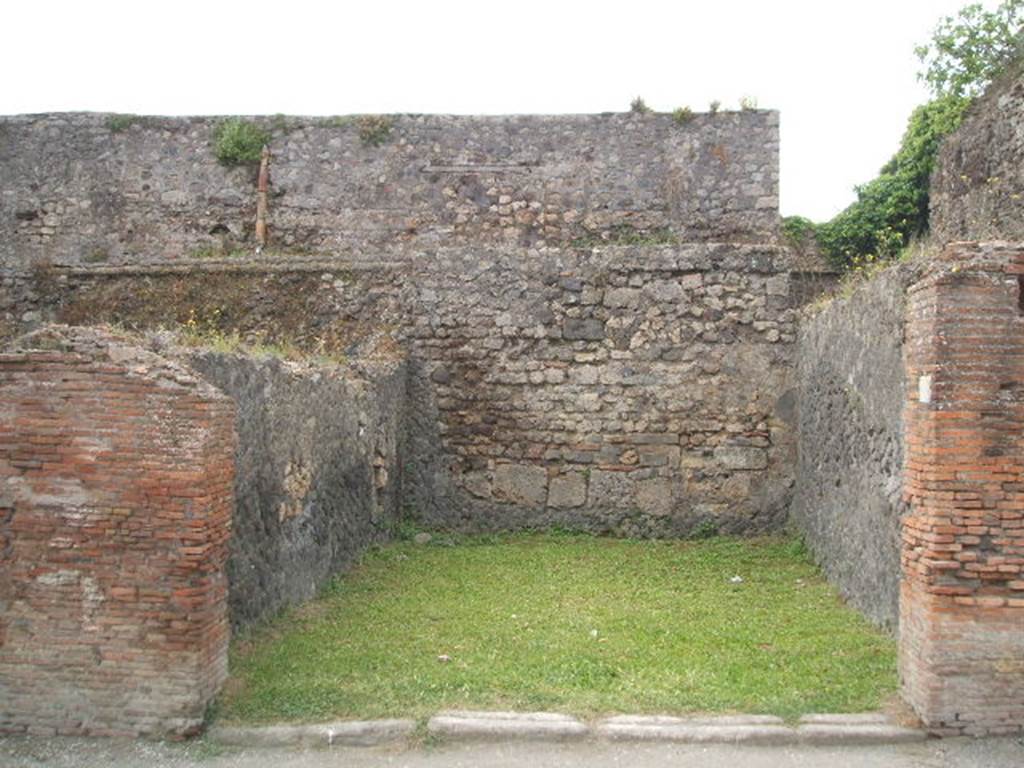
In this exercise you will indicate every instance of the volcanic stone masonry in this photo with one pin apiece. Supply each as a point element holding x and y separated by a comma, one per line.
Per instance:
<point>89,188</point>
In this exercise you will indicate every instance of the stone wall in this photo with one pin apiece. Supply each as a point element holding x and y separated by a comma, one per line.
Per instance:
<point>635,390</point>
<point>318,471</point>
<point>962,596</point>
<point>86,188</point>
<point>116,478</point>
<point>848,498</point>
<point>977,191</point>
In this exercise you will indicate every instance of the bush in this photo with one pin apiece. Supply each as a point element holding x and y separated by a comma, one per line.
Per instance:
<point>798,229</point>
<point>237,142</point>
<point>120,123</point>
<point>893,208</point>
<point>374,130</point>
<point>638,106</point>
<point>965,54</point>
<point>682,115</point>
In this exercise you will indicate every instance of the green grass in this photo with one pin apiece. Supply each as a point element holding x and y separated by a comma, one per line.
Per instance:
<point>567,623</point>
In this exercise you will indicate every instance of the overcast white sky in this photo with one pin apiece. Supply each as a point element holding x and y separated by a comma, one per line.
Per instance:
<point>842,72</point>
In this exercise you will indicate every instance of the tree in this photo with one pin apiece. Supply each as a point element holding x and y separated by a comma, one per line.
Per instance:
<point>969,50</point>
<point>965,54</point>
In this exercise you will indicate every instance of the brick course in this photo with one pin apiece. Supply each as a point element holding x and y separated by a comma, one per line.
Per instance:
<point>116,496</point>
<point>962,594</point>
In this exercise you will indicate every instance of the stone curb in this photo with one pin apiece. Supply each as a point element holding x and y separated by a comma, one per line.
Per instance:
<point>479,726</point>
<point>812,730</point>
<point>359,733</point>
<point>865,729</point>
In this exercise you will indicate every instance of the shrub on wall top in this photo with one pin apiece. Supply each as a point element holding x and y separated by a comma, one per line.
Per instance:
<point>237,142</point>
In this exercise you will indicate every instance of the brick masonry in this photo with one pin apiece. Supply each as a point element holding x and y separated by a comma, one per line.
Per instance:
<point>116,496</point>
<point>962,594</point>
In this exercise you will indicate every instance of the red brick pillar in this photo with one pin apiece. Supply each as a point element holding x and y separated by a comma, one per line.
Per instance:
<point>962,594</point>
<point>116,496</point>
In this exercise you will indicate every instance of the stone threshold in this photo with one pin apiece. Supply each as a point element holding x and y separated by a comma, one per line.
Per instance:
<point>863,729</point>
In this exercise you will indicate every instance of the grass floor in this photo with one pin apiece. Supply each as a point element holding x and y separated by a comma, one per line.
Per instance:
<point>566,623</point>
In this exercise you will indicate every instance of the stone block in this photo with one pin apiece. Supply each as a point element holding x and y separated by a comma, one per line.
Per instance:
<point>621,297</point>
<point>741,457</point>
<point>654,496</point>
<point>610,489</point>
<point>521,484</point>
<point>568,490</point>
<point>585,329</point>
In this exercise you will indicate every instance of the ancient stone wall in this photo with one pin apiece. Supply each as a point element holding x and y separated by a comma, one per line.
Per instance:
<point>632,390</point>
<point>849,476</point>
<point>86,188</point>
<point>318,471</point>
<point>977,191</point>
<point>962,595</point>
<point>116,496</point>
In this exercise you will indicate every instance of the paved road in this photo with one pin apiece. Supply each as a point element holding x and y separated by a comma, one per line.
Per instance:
<point>82,753</point>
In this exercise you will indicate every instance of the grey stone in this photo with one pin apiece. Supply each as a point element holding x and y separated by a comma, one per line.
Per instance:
<point>568,490</point>
<point>741,457</point>
<point>609,488</point>
<point>506,725</point>
<point>583,330</point>
<point>654,496</point>
<point>520,483</point>
<point>352,733</point>
<point>621,297</point>
<point>862,734</point>
<point>710,730</point>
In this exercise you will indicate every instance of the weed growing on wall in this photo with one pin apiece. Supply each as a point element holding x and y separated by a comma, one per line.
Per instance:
<point>639,107</point>
<point>121,123</point>
<point>237,142</point>
<point>682,115</point>
<point>748,103</point>
<point>374,130</point>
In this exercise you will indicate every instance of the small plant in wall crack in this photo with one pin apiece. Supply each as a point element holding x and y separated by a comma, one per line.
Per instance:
<point>639,107</point>
<point>748,103</point>
<point>374,130</point>
<point>121,123</point>
<point>682,115</point>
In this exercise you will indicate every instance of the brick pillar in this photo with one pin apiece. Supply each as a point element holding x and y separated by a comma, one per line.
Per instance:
<point>116,496</point>
<point>962,593</point>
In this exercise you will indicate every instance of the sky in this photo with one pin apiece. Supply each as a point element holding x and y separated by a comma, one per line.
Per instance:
<point>842,74</point>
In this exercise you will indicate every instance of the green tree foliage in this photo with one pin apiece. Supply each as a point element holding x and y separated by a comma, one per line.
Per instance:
<point>969,50</point>
<point>965,54</point>
<point>894,207</point>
